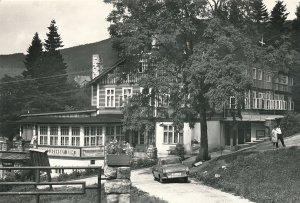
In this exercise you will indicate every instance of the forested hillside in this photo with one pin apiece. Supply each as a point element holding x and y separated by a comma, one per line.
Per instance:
<point>78,58</point>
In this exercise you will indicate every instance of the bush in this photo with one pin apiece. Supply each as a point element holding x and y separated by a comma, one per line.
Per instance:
<point>179,151</point>
<point>290,124</point>
<point>142,163</point>
<point>63,177</point>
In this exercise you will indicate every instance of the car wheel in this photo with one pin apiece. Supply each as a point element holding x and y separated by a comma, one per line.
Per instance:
<point>154,176</point>
<point>161,180</point>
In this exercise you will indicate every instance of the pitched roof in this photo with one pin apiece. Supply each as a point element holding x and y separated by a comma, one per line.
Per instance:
<point>107,70</point>
<point>59,113</point>
<point>100,119</point>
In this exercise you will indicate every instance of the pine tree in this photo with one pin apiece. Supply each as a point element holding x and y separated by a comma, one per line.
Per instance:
<point>259,12</point>
<point>34,54</point>
<point>278,16</point>
<point>53,65</point>
<point>53,42</point>
<point>235,14</point>
<point>296,22</point>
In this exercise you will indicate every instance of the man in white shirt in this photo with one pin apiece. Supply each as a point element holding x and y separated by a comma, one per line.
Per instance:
<point>279,135</point>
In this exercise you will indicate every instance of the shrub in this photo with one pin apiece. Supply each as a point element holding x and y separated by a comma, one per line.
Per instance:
<point>63,177</point>
<point>142,163</point>
<point>290,124</point>
<point>179,151</point>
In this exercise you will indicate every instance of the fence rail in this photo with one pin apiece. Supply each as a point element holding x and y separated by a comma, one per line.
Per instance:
<point>37,194</point>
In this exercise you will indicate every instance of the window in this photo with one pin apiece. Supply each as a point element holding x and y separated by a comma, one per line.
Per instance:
<point>92,136</point>
<point>43,135</point>
<point>110,97</point>
<point>119,135</point>
<point>163,100</point>
<point>232,103</point>
<point>60,170</point>
<point>94,95</point>
<point>99,137</point>
<point>43,130</point>
<point>126,94</point>
<point>53,135</point>
<point>110,130</point>
<point>260,74</point>
<point>92,162</point>
<point>143,63</point>
<point>142,138</point>
<point>172,137</point>
<point>64,140</point>
<point>269,78</point>
<point>284,80</point>
<point>86,136</point>
<point>254,73</point>
<point>75,136</point>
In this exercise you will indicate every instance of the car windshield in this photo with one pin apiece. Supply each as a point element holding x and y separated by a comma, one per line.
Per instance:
<point>170,161</point>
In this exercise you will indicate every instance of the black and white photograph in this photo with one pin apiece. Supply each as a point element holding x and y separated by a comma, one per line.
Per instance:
<point>149,101</point>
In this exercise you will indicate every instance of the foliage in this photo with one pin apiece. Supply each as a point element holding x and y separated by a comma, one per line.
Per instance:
<point>278,15</point>
<point>290,124</point>
<point>116,147</point>
<point>42,87</point>
<point>179,151</point>
<point>198,63</point>
<point>142,163</point>
<point>283,174</point>
<point>259,12</point>
<point>53,41</point>
<point>33,57</point>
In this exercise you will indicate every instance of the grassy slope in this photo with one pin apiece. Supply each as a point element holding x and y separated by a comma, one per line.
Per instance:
<point>270,176</point>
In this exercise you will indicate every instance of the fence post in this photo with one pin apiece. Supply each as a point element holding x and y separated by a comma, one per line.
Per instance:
<point>99,185</point>
<point>37,175</point>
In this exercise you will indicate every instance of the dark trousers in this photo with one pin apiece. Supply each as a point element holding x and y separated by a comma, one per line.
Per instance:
<point>280,137</point>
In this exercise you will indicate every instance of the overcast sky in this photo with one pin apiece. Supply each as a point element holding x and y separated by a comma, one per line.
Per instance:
<point>79,21</point>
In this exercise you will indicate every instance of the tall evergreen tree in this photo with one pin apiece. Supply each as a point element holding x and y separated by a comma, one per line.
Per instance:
<point>296,23</point>
<point>33,57</point>
<point>53,66</point>
<point>53,41</point>
<point>259,12</point>
<point>278,16</point>
<point>235,13</point>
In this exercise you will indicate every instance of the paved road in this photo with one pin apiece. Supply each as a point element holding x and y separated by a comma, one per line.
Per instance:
<point>181,192</point>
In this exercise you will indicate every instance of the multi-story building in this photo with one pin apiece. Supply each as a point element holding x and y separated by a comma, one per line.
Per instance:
<point>81,135</point>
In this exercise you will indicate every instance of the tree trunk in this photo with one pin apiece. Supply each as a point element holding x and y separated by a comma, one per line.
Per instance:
<point>203,151</point>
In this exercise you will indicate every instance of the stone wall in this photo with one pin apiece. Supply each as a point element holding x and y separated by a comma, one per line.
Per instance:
<point>118,185</point>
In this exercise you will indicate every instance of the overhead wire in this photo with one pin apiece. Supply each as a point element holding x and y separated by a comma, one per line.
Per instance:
<point>45,77</point>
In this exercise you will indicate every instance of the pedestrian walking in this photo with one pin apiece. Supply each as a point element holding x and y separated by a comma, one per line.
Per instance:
<point>279,135</point>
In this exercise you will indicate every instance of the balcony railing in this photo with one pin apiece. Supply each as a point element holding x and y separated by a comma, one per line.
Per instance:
<point>269,104</point>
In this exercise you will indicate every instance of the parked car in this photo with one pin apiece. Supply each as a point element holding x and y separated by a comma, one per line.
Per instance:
<point>170,168</point>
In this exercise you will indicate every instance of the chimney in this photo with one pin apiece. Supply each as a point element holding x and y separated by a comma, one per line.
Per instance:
<point>97,65</point>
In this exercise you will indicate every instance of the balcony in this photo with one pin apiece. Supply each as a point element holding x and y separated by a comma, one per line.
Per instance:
<point>269,104</point>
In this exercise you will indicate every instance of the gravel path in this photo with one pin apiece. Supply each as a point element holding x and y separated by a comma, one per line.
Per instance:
<point>174,192</point>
